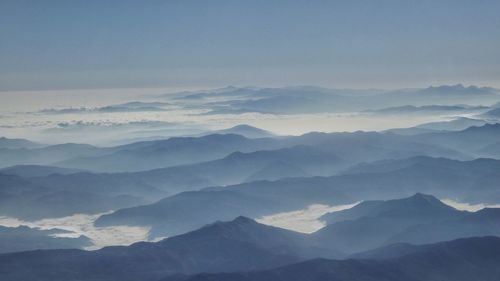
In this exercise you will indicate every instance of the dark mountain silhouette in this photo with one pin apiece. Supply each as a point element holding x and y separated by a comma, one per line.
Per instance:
<point>458,260</point>
<point>241,244</point>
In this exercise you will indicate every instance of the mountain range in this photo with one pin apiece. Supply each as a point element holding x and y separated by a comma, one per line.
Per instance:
<point>458,260</point>
<point>389,178</point>
<point>251,249</point>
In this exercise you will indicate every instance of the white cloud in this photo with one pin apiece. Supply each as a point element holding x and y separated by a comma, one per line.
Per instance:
<point>82,224</point>
<point>467,206</point>
<point>305,220</point>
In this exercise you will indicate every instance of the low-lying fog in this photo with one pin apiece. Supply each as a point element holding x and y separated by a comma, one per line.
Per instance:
<point>70,116</point>
<point>82,224</point>
<point>305,221</point>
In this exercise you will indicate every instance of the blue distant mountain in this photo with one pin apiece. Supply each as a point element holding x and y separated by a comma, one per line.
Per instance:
<point>385,179</point>
<point>23,238</point>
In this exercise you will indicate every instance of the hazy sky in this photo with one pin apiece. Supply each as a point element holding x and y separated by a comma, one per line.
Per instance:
<point>55,44</point>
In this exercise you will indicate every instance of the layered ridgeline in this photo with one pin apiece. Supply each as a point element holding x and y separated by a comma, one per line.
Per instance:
<point>384,179</point>
<point>348,147</point>
<point>314,154</point>
<point>418,219</point>
<point>458,260</point>
<point>24,238</point>
<point>308,99</point>
<point>241,244</point>
<point>245,245</point>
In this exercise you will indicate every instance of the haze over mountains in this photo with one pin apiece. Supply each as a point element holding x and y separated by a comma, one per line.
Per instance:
<point>426,264</point>
<point>241,244</point>
<point>156,115</point>
<point>299,140</point>
<point>191,200</point>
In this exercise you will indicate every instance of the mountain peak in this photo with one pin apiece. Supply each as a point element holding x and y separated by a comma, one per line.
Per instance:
<point>420,200</point>
<point>240,222</point>
<point>423,196</point>
<point>243,220</point>
<point>458,89</point>
<point>247,131</point>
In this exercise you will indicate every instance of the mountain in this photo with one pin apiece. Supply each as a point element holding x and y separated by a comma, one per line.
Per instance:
<point>314,154</point>
<point>469,140</point>
<point>417,207</point>
<point>254,251</point>
<point>46,155</point>
<point>142,156</point>
<point>246,131</point>
<point>149,186</point>
<point>287,100</point>
<point>493,113</point>
<point>481,165</point>
<point>492,150</point>
<point>443,177</point>
<point>134,106</point>
<point>442,95</point>
<point>23,238</point>
<point>31,171</point>
<point>17,143</point>
<point>458,260</point>
<point>376,223</point>
<point>277,170</point>
<point>457,124</point>
<point>189,210</point>
<point>352,148</point>
<point>80,194</point>
<point>304,99</point>
<point>239,167</point>
<point>427,110</point>
<point>481,223</point>
<point>308,155</point>
<point>240,244</point>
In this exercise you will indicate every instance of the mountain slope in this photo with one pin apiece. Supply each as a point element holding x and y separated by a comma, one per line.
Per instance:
<point>175,151</point>
<point>189,210</point>
<point>240,244</point>
<point>30,171</point>
<point>374,224</point>
<point>23,238</point>
<point>459,260</point>
<point>246,131</point>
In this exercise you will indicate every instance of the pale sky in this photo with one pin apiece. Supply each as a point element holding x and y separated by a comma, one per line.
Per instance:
<point>60,44</point>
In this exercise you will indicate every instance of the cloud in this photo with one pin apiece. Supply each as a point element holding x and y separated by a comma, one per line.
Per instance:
<point>464,206</point>
<point>134,106</point>
<point>82,224</point>
<point>305,220</point>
